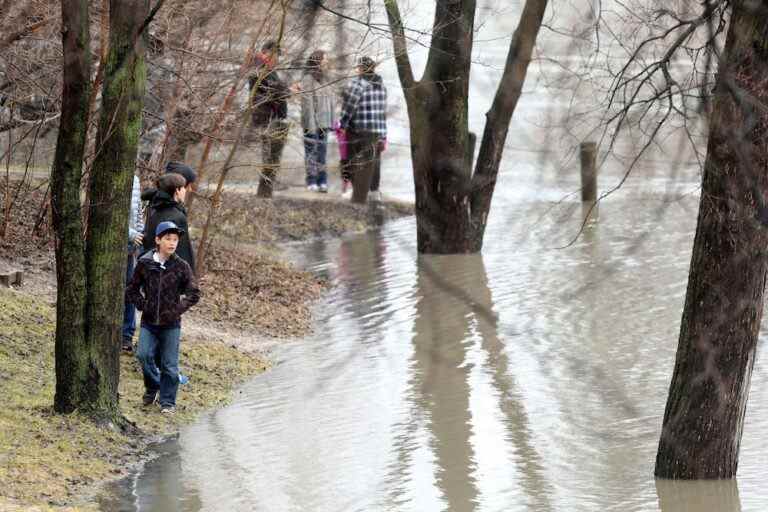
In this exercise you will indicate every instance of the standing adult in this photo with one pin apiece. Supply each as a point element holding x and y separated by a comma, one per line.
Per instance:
<point>269,109</point>
<point>135,240</point>
<point>364,123</point>
<point>318,105</point>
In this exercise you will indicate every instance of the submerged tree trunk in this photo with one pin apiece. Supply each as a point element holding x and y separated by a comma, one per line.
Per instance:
<point>452,202</point>
<point>73,360</point>
<point>707,401</point>
<point>112,176</point>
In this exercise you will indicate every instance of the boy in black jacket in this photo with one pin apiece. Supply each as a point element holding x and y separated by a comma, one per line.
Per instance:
<point>160,280</point>
<point>166,203</point>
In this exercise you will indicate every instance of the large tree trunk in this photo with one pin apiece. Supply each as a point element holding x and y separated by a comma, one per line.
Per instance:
<point>112,176</point>
<point>437,110</point>
<point>452,204</point>
<point>707,401</point>
<point>73,360</point>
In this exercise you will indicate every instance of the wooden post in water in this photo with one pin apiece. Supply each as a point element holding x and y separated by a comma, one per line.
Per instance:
<point>588,172</point>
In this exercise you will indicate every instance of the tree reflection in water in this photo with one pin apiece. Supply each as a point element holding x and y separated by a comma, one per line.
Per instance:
<point>454,315</point>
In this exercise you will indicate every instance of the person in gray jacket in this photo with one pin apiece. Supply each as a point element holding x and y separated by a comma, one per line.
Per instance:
<point>318,116</point>
<point>135,239</point>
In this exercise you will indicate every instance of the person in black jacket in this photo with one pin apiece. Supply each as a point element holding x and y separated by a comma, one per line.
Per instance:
<point>269,109</point>
<point>166,203</point>
<point>163,287</point>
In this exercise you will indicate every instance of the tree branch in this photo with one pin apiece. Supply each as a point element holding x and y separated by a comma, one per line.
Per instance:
<point>400,46</point>
<point>23,32</point>
<point>504,103</point>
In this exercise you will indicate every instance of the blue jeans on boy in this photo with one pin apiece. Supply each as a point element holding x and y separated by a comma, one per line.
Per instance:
<point>154,341</point>
<point>129,313</point>
<point>315,151</point>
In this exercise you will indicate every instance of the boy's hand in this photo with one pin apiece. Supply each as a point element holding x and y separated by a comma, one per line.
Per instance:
<point>139,239</point>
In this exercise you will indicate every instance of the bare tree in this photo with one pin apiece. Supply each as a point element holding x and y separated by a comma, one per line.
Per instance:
<point>452,202</point>
<point>704,417</point>
<point>90,275</point>
<point>73,360</point>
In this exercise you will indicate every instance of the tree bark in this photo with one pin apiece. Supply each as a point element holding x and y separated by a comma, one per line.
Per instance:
<point>437,109</point>
<point>707,401</point>
<point>451,205</point>
<point>73,360</point>
<point>111,181</point>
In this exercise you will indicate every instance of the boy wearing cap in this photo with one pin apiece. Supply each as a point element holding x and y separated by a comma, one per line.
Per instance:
<point>163,287</point>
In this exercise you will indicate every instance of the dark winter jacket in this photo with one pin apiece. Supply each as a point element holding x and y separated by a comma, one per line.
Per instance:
<point>162,207</point>
<point>270,99</point>
<point>156,290</point>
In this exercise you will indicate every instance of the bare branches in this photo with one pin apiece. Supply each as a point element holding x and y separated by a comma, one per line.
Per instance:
<point>504,103</point>
<point>400,45</point>
<point>23,32</point>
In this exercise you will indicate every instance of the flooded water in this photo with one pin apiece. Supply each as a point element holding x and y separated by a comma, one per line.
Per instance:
<point>530,378</point>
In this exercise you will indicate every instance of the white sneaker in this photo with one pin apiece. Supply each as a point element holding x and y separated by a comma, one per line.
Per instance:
<point>323,188</point>
<point>347,194</point>
<point>312,188</point>
<point>374,195</point>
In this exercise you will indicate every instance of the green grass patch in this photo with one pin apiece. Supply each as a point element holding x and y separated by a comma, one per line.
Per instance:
<point>50,460</point>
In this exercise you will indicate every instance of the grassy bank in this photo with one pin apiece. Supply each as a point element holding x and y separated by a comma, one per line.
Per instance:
<point>249,292</point>
<point>53,460</point>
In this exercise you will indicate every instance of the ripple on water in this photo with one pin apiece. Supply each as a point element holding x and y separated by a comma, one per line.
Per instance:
<point>530,378</point>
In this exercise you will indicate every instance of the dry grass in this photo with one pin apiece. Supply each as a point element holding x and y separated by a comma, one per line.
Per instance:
<point>50,460</point>
<point>247,218</point>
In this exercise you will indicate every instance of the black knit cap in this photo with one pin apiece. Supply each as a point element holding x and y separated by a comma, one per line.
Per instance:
<point>180,168</point>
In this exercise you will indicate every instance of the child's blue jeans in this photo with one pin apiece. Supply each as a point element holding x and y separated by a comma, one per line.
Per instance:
<point>164,342</point>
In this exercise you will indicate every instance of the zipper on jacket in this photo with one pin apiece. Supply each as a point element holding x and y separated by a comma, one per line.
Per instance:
<point>159,289</point>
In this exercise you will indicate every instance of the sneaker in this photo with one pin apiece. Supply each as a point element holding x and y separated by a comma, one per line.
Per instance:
<point>374,195</point>
<point>167,409</point>
<point>148,398</point>
<point>323,188</point>
<point>128,346</point>
<point>345,185</point>
<point>347,194</point>
<point>312,188</point>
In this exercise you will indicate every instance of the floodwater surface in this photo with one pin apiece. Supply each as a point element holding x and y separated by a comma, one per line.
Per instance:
<point>532,377</point>
<point>528,378</point>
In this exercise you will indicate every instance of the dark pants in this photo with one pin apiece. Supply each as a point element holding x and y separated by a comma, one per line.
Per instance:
<point>129,313</point>
<point>272,138</point>
<point>315,152</point>
<point>162,344</point>
<point>364,164</point>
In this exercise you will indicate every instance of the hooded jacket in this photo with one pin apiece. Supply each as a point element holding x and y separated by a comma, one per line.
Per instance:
<point>162,207</point>
<point>156,290</point>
